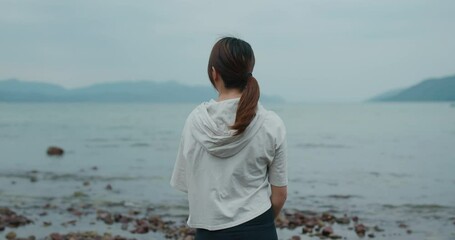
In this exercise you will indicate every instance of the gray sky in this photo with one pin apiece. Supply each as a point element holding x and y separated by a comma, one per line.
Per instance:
<point>318,50</point>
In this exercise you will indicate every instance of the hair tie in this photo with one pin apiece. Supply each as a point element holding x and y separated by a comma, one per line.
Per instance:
<point>248,75</point>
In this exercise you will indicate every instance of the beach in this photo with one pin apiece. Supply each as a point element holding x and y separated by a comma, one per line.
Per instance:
<point>385,166</point>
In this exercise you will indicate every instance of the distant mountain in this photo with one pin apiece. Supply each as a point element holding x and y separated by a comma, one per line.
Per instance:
<point>438,89</point>
<point>13,90</point>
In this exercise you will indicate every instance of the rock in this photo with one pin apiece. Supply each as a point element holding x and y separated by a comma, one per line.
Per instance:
<point>320,223</point>
<point>56,236</point>
<point>125,226</point>
<point>71,222</point>
<point>295,237</point>
<point>109,187</point>
<point>9,218</point>
<point>79,194</point>
<point>86,236</point>
<point>360,229</point>
<point>134,212</point>
<point>310,223</point>
<point>371,235</point>
<point>342,220</point>
<point>409,231</point>
<point>74,211</point>
<point>306,230</point>
<point>47,224</point>
<point>86,183</point>
<point>334,236</point>
<point>355,218</point>
<point>106,217</point>
<point>48,205</point>
<point>33,179</point>
<point>11,235</point>
<point>327,217</point>
<point>402,225</point>
<point>378,229</point>
<point>55,151</point>
<point>326,231</point>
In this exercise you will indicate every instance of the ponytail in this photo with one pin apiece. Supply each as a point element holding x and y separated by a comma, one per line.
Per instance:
<point>234,59</point>
<point>247,107</point>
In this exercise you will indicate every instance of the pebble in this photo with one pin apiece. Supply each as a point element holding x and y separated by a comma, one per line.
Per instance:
<point>56,236</point>
<point>74,211</point>
<point>55,151</point>
<point>342,220</point>
<point>11,235</point>
<point>360,229</point>
<point>306,230</point>
<point>378,229</point>
<point>327,217</point>
<point>327,231</point>
<point>79,194</point>
<point>334,236</point>
<point>33,179</point>
<point>402,225</point>
<point>355,218</point>
<point>9,218</point>
<point>125,226</point>
<point>104,216</point>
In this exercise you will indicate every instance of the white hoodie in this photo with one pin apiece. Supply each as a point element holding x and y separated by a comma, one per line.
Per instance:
<point>227,177</point>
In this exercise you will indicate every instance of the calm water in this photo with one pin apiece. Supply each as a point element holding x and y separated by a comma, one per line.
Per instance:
<point>385,162</point>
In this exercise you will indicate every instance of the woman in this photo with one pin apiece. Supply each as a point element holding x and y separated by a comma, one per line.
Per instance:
<point>232,155</point>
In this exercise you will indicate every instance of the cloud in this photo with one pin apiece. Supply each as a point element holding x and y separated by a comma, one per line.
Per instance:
<point>327,50</point>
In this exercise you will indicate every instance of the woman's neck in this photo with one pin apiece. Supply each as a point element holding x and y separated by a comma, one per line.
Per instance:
<point>229,94</point>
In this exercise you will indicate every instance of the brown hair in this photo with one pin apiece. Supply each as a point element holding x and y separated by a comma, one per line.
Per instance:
<point>234,60</point>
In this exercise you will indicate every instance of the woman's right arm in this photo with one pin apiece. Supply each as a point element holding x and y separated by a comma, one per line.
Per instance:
<point>278,197</point>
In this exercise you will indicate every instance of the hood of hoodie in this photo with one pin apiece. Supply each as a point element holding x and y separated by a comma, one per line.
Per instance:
<point>210,127</point>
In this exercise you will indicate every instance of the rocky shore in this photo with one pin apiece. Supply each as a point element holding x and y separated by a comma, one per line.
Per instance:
<point>137,223</point>
<point>83,211</point>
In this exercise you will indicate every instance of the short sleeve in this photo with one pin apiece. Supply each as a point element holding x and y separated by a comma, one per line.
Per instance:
<point>179,179</point>
<point>278,168</point>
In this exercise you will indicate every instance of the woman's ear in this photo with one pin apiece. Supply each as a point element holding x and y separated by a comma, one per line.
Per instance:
<point>217,80</point>
<point>214,74</point>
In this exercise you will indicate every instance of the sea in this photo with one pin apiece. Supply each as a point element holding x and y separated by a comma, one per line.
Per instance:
<point>390,164</point>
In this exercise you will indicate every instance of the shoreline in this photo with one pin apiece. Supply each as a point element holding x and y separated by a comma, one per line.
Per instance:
<point>86,221</point>
<point>79,213</point>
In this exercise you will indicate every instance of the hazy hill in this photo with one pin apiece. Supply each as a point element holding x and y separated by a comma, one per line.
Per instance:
<point>13,90</point>
<point>437,89</point>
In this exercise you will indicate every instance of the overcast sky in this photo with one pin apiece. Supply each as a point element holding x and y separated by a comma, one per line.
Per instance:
<point>318,50</point>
